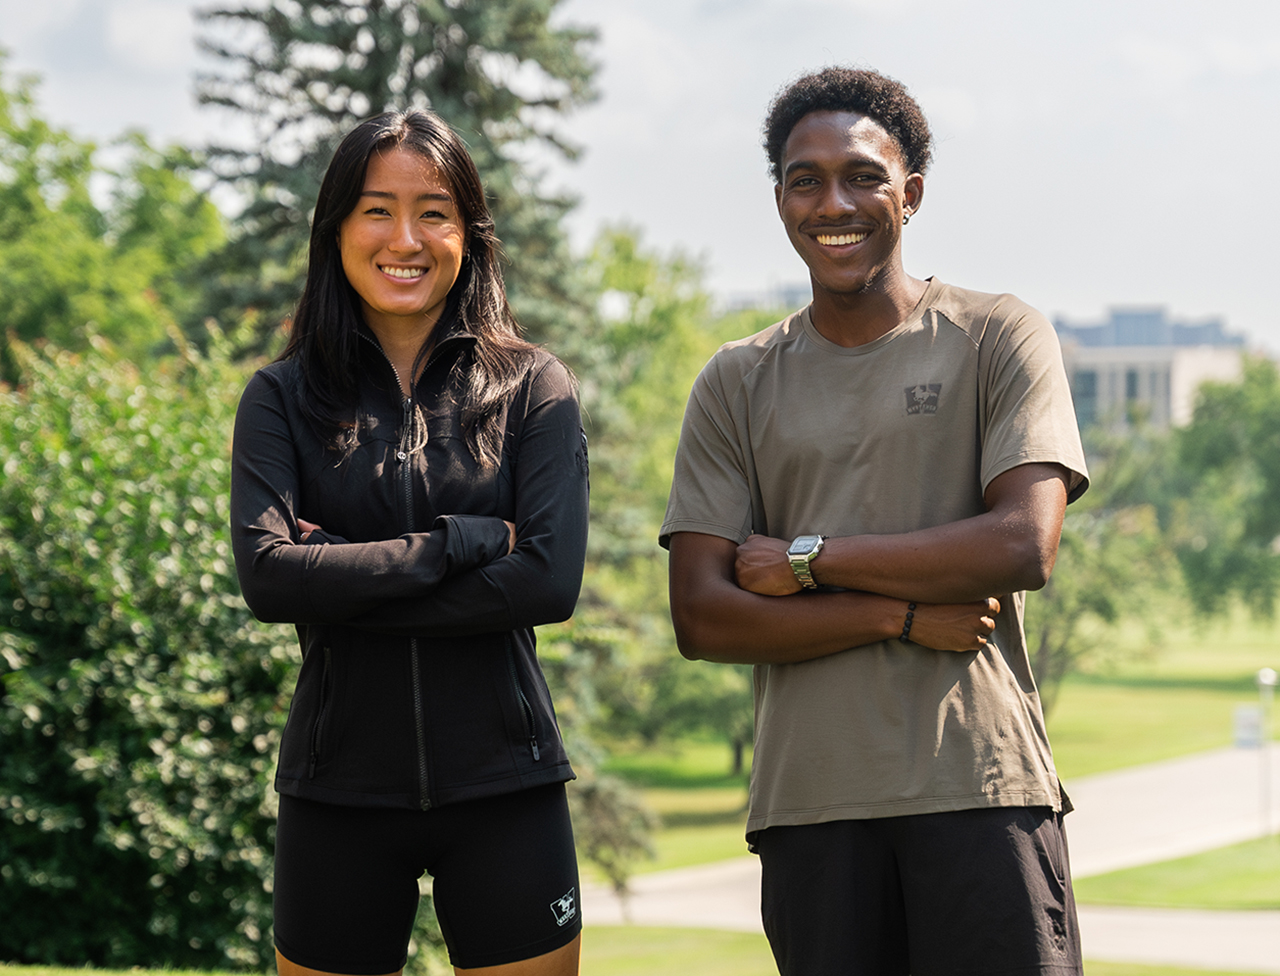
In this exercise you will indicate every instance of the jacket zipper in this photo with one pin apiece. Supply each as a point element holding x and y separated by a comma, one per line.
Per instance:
<point>525,709</point>
<point>415,671</point>
<point>318,728</point>
<point>406,486</point>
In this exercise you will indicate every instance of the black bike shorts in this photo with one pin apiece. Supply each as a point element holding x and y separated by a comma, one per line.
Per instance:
<point>505,880</point>
<point>967,892</point>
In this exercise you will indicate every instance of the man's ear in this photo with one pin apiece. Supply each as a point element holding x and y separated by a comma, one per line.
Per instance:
<point>913,193</point>
<point>777,197</point>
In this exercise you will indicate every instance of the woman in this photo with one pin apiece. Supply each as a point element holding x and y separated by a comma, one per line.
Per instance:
<point>410,489</point>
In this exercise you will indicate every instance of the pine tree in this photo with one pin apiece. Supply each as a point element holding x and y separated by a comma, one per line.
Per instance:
<point>304,72</point>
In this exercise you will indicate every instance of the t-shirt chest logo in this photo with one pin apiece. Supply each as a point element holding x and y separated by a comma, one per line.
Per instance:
<point>923,398</point>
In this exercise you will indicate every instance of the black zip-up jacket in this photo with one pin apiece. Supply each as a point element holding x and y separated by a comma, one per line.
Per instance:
<point>419,683</point>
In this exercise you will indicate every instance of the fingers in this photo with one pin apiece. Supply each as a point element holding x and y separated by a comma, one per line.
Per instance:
<point>511,536</point>
<point>307,528</point>
<point>761,566</point>
<point>955,626</point>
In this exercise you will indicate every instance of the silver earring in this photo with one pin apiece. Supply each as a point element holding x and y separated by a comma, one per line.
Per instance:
<point>906,219</point>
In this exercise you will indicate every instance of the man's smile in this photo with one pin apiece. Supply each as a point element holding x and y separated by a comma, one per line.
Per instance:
<point>835,240</point>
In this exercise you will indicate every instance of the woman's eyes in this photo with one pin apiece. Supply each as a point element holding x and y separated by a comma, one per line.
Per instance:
<point>426,215</point>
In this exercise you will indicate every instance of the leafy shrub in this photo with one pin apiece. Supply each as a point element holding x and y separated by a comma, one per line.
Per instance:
<point>140,702</point>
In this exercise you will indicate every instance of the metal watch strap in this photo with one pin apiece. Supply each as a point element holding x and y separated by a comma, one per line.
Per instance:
<point>801,568</point>
<point>800,565</point>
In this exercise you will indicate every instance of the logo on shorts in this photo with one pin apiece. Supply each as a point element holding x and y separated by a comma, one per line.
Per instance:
<point>923,398</point>
<point>565,907</point>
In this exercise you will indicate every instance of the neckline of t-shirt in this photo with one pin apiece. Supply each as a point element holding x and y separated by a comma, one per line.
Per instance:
<point>933,287</point>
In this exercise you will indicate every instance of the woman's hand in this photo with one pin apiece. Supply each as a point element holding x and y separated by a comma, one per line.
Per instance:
<point>309,527</point>
<point>954,626</point>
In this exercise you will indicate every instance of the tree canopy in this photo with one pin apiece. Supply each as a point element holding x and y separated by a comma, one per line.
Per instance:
<point>128,267</point>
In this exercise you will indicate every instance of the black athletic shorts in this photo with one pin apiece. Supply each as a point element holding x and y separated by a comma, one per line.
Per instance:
<point>939,894</point>
<point>505,880</point>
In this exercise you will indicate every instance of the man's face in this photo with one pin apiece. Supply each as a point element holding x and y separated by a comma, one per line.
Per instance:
<point>843,194</point>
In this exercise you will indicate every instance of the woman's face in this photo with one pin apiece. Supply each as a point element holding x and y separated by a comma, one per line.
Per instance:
<point>403,243</point>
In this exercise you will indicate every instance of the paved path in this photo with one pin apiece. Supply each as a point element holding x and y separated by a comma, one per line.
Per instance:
<point>1203,801</point>
<point>1169,809</point>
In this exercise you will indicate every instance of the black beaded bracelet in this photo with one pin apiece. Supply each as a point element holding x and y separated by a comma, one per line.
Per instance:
<point>906,627</point>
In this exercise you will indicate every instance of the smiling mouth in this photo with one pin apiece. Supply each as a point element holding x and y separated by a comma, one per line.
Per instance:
<point>406,273</point>
<point>835,240</point>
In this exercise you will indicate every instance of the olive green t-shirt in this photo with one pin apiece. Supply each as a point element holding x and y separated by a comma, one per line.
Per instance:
<point>787,433</point>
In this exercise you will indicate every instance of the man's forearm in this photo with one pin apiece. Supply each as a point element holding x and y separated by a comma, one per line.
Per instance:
<point>716,620</point>
<point>1008,548</point>
<point>724,623</point>
<point>951,563</point>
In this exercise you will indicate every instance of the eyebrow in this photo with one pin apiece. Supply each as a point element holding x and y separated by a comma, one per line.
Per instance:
<point>384,195</point>
<point>810,164</point>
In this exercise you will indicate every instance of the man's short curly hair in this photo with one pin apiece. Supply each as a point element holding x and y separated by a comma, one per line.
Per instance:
<point>849,90</point>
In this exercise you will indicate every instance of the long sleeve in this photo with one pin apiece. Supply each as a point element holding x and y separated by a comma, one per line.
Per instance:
<point>539,581</point>
<point>327,579</point>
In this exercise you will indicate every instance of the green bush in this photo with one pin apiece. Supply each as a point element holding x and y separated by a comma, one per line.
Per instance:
<point>140,702</point>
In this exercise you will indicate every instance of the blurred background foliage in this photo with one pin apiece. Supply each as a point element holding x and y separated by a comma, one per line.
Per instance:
<point>140,703</point>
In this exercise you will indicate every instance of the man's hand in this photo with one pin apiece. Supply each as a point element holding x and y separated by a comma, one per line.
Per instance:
<point>761,566</point>
<point>307,528</point>
<point>954,626</point>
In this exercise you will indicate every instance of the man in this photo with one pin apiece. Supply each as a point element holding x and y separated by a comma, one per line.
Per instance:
<point>862,493</point>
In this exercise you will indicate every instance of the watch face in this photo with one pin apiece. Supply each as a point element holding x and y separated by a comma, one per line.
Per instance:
<point>803,545</point>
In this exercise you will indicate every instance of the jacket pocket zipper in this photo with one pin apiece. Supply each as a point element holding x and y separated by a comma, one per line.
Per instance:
<point>526,710</point>
<point>317,730</point>
<point>419,724</point>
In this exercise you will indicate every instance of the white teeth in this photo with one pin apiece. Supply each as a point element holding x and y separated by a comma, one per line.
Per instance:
<point>838,239</point>
<point>404,272</point>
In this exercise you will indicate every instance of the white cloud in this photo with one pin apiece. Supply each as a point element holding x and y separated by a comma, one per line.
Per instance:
<point>950,111</point>
<point>1161,64</point>
<point>154,35</point>
<point>1240,57</point>
<point>1158,63</point>
<point>24,20</point>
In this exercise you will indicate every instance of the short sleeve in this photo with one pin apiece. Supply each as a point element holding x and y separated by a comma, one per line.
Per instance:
<point>710,487</point>
<point>1027,415</point>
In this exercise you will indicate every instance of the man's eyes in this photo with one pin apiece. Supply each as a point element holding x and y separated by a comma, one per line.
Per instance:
<point>858,179</point>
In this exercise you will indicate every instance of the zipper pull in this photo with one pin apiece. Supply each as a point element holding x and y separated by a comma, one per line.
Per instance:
<point>533,742</point>
<point>405,429</point>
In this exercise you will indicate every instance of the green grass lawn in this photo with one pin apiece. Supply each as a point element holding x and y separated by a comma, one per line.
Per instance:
<point>1135,708</point>
<point>614,950</point>
<point>1243,876</point>
<point>618,950</point>
<point>689,785</point>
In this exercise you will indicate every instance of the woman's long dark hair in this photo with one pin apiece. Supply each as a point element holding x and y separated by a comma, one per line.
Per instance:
<point>324,338</point>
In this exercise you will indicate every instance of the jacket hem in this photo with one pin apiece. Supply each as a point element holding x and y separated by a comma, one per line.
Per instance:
<point>560,772</point>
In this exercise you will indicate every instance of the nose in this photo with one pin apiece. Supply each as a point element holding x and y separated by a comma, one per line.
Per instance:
<point>406,238</point>
<point>836,200</point>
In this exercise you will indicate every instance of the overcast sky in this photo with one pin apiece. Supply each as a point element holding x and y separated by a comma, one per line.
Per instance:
<point>1089,154</point>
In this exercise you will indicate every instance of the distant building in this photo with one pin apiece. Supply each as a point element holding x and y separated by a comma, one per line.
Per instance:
<point>1141,363</point>
<point>785,297</point>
